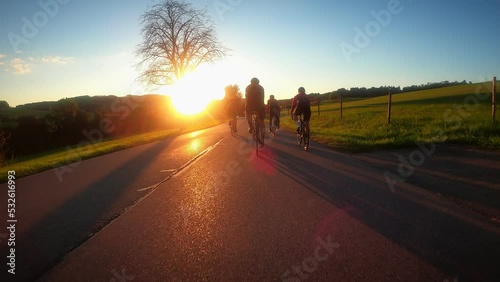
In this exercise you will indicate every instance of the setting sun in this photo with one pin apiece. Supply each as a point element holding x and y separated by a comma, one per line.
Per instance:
<point>194,92</point>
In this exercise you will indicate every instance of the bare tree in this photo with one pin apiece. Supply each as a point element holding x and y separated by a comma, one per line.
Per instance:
<point>176,38</point>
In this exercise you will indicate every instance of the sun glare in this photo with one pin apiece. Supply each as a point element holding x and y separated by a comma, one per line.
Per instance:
<point>193,93</point>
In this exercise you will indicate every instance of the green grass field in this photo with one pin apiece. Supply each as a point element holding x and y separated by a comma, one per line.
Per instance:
<point>37,163</point>
<point>452,115</point>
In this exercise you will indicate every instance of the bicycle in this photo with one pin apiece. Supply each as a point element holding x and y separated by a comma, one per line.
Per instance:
<point>274,124</point>
<point>232,124</point>
<point>257,136</point>
<point>303,135</point>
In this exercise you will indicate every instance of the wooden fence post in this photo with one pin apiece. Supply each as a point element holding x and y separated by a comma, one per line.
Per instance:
<point>319,101</point>
<point>389,106</point>
<point>493,94</point>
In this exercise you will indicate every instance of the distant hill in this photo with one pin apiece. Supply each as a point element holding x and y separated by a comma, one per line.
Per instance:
<point>37,106</point>
<point>85,103</point>
<point>94,104</point>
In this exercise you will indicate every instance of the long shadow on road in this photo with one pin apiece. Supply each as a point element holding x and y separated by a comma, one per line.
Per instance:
<point>432,228</point>
<point>72,223</point>
<point>464,175</point>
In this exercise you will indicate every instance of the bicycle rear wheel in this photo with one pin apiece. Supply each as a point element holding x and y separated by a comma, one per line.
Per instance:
<point>273,126</point>
<point>306,139</point>
<point>300,134</point>
<point>260,136</point>
<point>256,132</point>
<point>233,126</point>
<point>299,138</point>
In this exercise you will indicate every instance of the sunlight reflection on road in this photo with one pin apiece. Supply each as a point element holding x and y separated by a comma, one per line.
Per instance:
<point>194,146</point>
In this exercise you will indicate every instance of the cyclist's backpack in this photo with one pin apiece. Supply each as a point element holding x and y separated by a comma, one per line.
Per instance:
<point>303,105</point>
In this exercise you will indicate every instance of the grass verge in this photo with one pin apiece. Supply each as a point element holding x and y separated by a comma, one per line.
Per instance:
<point>41,162</point>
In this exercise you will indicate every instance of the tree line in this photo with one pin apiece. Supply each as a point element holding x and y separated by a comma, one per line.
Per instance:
<point>363,92</point>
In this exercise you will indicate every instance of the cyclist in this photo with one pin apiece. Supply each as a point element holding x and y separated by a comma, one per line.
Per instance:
<point>301,105</point>
<point>273,110</point>
<point>233,107</point>
<point>254,95</point>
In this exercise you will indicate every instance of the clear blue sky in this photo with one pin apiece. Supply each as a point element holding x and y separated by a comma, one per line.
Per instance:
<point>87,47</point>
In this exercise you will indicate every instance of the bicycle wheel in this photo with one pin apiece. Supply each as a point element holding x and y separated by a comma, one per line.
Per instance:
<point>256,131</point>
<point>306,138</point>
<point>261,137</point>
<point>273,126</point>
<point>298,138</point>
<point>233,126</point>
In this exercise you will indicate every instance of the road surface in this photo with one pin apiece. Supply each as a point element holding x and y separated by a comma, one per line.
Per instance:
<point>204,207</point>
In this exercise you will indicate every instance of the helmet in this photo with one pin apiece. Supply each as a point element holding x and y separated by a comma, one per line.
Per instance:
<point>302,90</point>
<point>272,96</point>
<point>254,81</point>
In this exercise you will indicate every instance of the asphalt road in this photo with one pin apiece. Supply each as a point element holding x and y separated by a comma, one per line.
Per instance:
<point>204,207</point>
